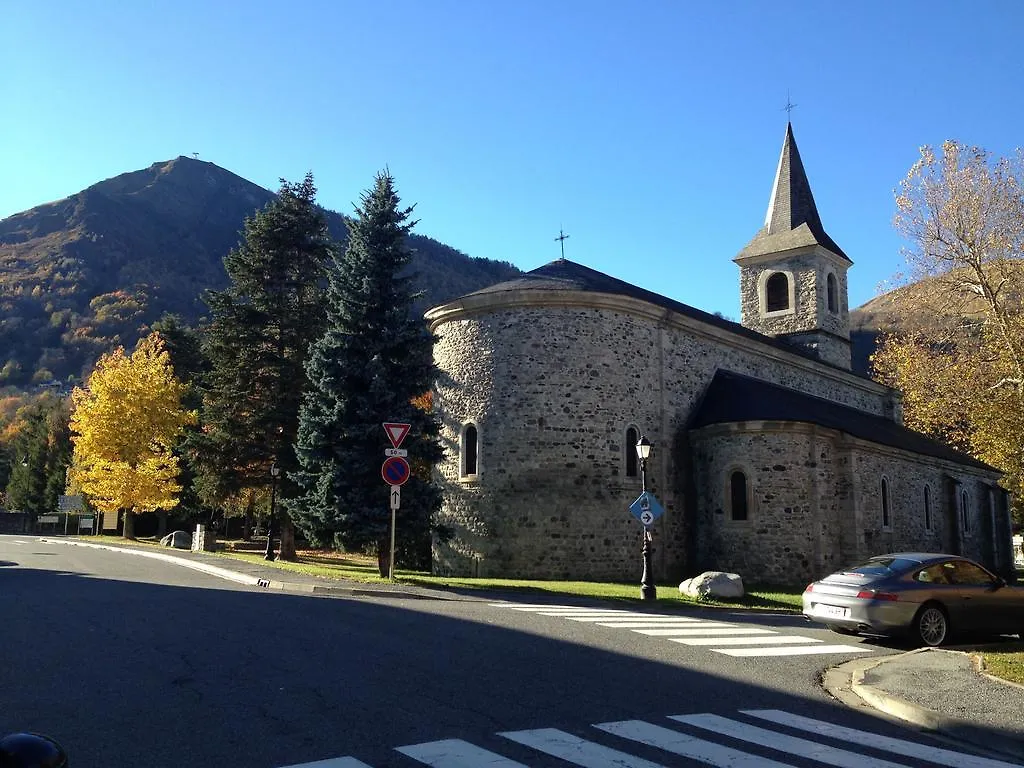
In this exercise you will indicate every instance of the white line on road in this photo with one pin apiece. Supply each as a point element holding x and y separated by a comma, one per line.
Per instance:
<point>684,744</point>
<point>334,762</point>
<point>795,650</point>
<point>767,640</point>
<point>456,753</point>
<point>877,741</point>
<point>649,624</point>
<point>688,631</point>
<point>791,745</point>
<point>578,751</point>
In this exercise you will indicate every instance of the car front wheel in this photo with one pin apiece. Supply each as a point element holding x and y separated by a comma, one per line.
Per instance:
<point>931,625</point>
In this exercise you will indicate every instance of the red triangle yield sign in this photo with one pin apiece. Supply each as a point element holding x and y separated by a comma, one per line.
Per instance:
<point>396,432</point>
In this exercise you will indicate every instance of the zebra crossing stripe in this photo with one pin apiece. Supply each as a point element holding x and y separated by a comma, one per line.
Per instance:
<point>546,607</point>
<point>877,740</point>
<point>577,615</point>
<point>577,751</point>
<point>679,743</point>
<point>769,640</point>
<point>334,762</point>
<point>456,753</point>
<point>796,650</point>
<point>726,629</point>
<point>596,618</point>
<point>791,745</point>
<point>648,624</point>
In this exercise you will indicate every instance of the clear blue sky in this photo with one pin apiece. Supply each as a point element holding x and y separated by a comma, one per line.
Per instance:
<point>649,131</point>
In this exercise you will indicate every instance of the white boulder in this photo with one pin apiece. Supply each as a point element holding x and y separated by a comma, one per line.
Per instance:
<point>716,584</point>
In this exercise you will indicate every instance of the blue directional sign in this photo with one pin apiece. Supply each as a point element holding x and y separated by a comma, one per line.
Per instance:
<point>646,508</point>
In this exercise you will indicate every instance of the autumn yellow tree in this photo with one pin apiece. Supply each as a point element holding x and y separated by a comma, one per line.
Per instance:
<point>956,345</point>
<point>124,424</point>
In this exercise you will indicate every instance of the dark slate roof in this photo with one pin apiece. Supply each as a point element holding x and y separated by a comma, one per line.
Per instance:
<point>565,275</point>
<point>732,397</point>
<point>792,219</point>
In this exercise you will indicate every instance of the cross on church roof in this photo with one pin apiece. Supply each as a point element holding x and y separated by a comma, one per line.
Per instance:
<point>562,237</point>
<point>790,106</point>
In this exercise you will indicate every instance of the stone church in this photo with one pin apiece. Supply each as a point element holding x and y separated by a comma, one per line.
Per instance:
<point>771,457</point>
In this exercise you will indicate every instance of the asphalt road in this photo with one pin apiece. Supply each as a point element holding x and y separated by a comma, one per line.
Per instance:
<point>131,662</point>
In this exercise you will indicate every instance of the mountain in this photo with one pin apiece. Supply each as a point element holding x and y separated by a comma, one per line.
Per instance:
<point>85,274</point>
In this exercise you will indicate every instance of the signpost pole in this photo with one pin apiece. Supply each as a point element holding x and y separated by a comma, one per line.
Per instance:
<point>391,560</point>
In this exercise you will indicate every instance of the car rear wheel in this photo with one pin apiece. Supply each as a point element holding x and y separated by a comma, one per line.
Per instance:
<point>931,625</point>
<point>840,630</point>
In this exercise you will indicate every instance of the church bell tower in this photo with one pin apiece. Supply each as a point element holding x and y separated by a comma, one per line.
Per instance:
<point>792,274</point>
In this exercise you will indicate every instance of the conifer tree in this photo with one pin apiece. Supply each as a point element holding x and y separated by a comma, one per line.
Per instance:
<point>372,361</point>
<point>261,329</point>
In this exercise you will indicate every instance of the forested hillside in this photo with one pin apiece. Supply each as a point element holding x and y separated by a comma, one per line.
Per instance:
<point>83,275</point>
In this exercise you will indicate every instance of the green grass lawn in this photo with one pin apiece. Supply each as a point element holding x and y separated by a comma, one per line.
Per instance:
<point>350,567</point>
<point>1007,662</point>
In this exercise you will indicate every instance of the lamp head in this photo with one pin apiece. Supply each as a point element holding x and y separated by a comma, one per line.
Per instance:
<point>643,448</point>
<point>275,471</point>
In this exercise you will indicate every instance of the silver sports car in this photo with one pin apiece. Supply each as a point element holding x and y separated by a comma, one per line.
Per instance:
<point>928,596</point>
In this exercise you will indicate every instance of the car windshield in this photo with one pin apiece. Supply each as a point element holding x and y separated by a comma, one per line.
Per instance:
<point>881,566</point>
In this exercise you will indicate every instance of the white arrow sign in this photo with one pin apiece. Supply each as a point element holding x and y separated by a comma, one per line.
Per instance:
<point>396,496</point>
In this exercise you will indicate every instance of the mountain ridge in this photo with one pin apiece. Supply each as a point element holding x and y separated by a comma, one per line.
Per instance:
<point>92,271</point>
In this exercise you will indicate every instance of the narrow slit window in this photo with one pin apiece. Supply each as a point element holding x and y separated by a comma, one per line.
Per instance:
<point>632,461</point>
<point>469,451</point>
<point>965,510</point>
<point>886,512</point>
<point>833,293</point>
<point>777,292</point>
<point>738,495</point>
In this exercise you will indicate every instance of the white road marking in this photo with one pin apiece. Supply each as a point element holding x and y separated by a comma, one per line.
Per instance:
<point>578,751</point>
<point>768,640</point>
<point>791,745</point>
<point>583,615</point>
<point>335,762</point>
<point>795,650</point>
<point>456,753</point>
<point>706,630</point>
<point>649,624</point>
<point>684,744</point>
<point>877,740</point>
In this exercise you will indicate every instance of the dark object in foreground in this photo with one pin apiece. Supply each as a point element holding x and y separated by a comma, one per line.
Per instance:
<point>926,596</point>
<point>30,750</point>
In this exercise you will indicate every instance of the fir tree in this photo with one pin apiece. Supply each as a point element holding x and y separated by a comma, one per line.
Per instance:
<point>260,333</point>
<point>372,361</point>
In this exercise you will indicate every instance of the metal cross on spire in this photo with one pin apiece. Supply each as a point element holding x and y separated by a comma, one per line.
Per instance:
<point>562,237</point>
<point>790,106</point>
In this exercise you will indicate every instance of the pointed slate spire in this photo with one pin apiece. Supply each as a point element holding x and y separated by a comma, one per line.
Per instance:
<point>792,219</point>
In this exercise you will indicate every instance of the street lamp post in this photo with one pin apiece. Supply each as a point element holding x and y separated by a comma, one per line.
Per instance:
<point>275,472</point>
<point>647,589</point>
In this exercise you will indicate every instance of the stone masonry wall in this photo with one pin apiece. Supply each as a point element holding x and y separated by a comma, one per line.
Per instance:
<point>816,502</point>
<point>810,272</point>
<point>552,391</point>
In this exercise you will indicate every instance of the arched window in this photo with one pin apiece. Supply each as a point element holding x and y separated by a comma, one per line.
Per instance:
<point>470,448</point>
<point>886,512</point>
<point>777,292</point>
<point>738,495</point>
<point>833,293</point>
<point>632,460</point>
<point>965,510</point>
<point>927,508</point>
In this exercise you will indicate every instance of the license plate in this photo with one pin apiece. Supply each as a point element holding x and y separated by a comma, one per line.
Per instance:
<point>833,611</point>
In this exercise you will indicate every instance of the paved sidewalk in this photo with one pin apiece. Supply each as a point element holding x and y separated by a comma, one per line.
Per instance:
<point>942,691</point>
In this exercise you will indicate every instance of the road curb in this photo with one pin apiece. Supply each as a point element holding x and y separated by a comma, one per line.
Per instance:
<point>924,717</point>
<point>254,581</point>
